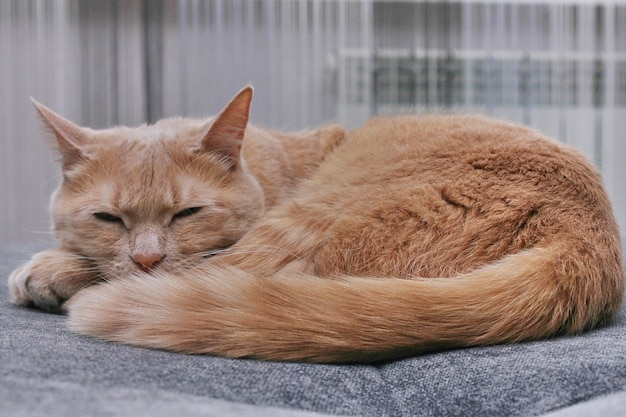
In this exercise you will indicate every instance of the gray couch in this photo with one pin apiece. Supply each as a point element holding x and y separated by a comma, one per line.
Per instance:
<point>47,371</point>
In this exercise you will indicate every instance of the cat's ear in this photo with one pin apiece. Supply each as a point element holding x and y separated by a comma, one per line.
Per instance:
<point>70,138</point>
<point>225,135</point>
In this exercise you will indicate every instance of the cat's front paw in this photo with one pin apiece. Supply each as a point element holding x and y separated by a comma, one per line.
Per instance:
<point>17,286</point>
<point>28,287</point>
<point>49,279</point>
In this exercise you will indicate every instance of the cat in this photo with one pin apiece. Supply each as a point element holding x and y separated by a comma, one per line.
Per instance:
<point>406,235</point>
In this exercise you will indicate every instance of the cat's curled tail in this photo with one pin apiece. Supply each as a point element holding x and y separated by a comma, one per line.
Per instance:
<point>533,294</point>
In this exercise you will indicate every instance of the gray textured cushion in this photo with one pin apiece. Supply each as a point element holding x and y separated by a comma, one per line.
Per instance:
<point>46,370</point>
<point>613,405</point>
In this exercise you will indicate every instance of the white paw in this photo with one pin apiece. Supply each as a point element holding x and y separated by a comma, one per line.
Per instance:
<point>17,285</point>
<point>29,286</point>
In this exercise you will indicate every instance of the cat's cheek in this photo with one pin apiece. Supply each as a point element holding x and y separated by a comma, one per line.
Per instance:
<point>93,241</point>
<point>195,239</point>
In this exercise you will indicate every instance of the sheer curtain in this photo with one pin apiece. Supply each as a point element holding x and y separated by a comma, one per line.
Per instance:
<point>559,66</point>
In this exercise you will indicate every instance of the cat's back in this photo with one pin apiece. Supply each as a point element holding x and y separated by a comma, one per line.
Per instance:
<point>445,185</point>
<point>456,136</point>
<point>464,170</point>
<point>471,150</point>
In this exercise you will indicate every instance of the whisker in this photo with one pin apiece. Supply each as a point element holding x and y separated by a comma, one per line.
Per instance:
<point>53,178</point>
<point>212,252</point>
<point>260,249</point>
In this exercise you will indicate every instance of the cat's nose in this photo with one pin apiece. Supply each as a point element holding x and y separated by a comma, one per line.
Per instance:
<point>147,262</point>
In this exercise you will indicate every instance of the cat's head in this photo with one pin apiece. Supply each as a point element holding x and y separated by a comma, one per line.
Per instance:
<point>154,197</point>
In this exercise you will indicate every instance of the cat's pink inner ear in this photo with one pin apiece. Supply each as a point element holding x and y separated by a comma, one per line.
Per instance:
<point>70,137</point>
<point>225,136</point>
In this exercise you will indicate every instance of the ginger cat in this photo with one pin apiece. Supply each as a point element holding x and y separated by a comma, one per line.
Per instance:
<point>406,235</point>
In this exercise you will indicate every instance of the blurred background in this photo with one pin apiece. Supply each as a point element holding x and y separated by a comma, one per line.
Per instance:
<point>559,66</point>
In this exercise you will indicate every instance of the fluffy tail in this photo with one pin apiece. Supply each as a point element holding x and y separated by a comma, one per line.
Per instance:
<point>530,295</point>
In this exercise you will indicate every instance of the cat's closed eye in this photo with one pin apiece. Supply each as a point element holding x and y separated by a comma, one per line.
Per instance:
<point>186,212</point>
<point>107,217</point>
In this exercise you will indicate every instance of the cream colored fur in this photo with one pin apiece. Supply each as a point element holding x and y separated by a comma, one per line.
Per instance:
<point>407,235</point>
